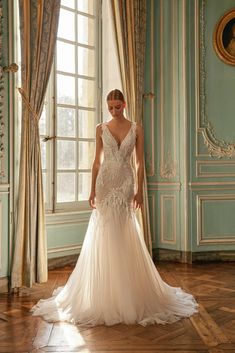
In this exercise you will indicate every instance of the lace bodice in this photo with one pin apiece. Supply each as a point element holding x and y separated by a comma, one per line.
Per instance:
<point>115,180</point>
<point>115,152</point>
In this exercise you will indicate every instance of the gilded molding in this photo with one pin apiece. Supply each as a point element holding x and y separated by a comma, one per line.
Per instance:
<point>211,239</point>
<point>172,198</point>
<point>215,163</point>
<point>216,147</point>
<point>2,124</point>
<point>149,164</point>
<point>168,168</point>
<point>154,214</point>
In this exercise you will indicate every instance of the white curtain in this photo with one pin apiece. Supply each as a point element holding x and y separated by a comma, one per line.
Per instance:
<point>111,75</point>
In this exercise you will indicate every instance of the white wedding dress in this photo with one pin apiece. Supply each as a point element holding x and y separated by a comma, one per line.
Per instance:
<point>115,279</point>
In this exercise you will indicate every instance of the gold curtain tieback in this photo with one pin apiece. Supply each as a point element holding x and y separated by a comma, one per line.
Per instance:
<point>27,103</point>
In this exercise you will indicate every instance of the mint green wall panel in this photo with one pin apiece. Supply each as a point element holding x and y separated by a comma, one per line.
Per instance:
<point>161,122</point>
<point>65,240</point>
<point>211,103</point>
<point>219,77</point>
<point>213,224</point>
<point>65,233</point>
<point>222,212</point>
<point>188,127</point>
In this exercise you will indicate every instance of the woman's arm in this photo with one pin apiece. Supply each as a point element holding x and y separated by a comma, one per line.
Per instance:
<point>139,150</point>
<point>96,164</point>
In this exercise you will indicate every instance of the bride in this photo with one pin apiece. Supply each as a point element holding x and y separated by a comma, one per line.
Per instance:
<point>115,279</point>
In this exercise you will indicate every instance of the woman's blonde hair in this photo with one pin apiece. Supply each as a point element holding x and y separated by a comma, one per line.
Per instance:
<point>115,94</point>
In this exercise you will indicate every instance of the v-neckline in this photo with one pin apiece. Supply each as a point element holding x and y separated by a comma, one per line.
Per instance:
<point>118,144</point>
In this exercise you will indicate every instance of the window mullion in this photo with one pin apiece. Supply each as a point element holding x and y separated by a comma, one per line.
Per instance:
<point>54,141</point>
<point>76,105</point>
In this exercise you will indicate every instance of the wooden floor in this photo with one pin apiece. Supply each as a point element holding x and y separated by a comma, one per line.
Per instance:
<point>212,330</point>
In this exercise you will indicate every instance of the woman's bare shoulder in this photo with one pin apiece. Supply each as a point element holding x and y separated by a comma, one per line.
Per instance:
<point>139,128</point>
<point>99,129</point>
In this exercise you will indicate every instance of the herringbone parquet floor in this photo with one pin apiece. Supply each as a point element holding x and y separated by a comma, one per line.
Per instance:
<point>212,330</point>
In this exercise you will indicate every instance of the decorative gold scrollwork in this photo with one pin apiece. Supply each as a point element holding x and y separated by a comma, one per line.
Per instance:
<point>149,95</point>
<point>224,37</point>
<point>11,68</point>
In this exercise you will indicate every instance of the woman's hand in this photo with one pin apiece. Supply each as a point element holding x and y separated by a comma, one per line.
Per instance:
<point>138,200</point>
<point>92,199</point>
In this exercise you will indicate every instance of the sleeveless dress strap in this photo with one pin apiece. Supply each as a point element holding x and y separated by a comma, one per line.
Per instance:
<point>103,125</point>
<point>134,126</point>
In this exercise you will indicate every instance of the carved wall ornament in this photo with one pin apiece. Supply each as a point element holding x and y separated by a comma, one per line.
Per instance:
<point>216,147</point>
<point>2,125</point>
<point>224,37</point>
<point>149,163</point>
<point>168,168</point>
<point>149,95</point>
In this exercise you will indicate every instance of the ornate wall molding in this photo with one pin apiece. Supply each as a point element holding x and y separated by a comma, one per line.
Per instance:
<point>202,238</point>
<point>216,147</point>
<point>168,114</point>
<point>168,168</point>
<point>215,168</point>
<point>2,124</point>
<point>165,219</point>
<point>152,204</point>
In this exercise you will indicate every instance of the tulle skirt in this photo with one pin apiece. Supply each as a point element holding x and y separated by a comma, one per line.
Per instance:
<point>115,280</point>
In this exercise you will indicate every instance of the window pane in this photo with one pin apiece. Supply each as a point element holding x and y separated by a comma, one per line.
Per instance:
<point>66,28</point>
<point>43,154</point>
<point>85,30</point>
<point>86,93</point>
<point>65,122</point>
<point>42,122</point>
<point>86,124</point>
<point>86,154</point>
<point>65,154</point>
<point>84,186</point>
<point>86,6</point>
<point>45,193</point>
<point>65,89</point>
<point>86,62</point>
<point>65,57</point>
<point>68,3</point>
<point>65,187</point>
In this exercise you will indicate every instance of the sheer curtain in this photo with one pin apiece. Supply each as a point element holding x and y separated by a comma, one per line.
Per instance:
<point>38,30</point>
<point>129,19</point>
<point>111,75</point>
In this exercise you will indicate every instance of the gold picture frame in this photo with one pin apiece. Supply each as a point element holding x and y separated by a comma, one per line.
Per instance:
<point>224,37</point>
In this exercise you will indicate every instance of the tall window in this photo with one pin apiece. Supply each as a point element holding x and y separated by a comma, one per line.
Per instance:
<point>72,107</point>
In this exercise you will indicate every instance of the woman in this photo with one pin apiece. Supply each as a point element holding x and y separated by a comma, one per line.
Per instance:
<point>115,280</point>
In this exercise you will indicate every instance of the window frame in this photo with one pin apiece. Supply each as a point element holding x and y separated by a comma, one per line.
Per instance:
<point>53,207</point>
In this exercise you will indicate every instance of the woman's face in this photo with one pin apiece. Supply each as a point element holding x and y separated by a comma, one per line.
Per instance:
<point>116,107</point>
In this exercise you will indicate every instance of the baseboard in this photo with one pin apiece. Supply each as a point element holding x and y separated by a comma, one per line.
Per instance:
<point>193,257</point>
<point>4,282</point>
<point>214,256</point>
<point>62,261</point>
